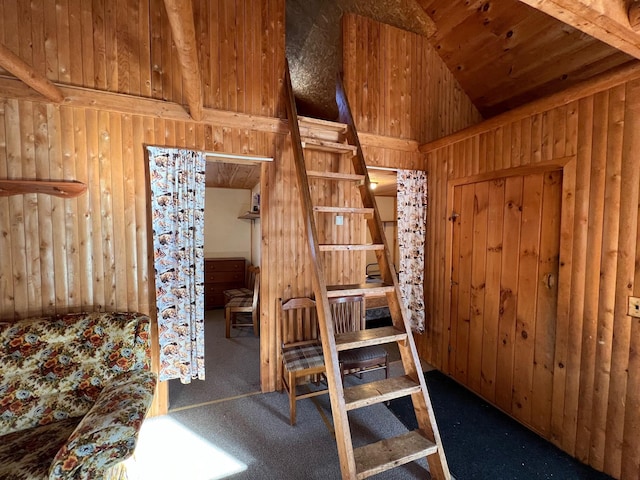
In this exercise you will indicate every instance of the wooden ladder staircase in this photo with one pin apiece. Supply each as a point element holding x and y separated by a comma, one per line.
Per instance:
<point>362,462</point>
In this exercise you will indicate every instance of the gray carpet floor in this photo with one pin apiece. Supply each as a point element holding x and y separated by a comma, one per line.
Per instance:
<point>228,412</point>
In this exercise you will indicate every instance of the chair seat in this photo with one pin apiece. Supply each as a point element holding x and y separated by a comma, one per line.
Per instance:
<point>238,292</point>
<point>303,357</point>
<point>240,302</point>
<point>362,354</point>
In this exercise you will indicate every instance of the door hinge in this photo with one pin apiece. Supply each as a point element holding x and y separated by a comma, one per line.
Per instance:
<point>453,216</point>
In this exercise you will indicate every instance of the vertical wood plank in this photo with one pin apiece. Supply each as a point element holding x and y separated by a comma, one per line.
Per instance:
<point>69,159</point>
<point>508,290</point>
<point>45,225</point>
<point>84,212</point>
<point>592,283</point>
<point>7,296</point>
<point>30,210</point>
<point>584,138</point>
<point>451,348</point>
<point>546,303</point>
<point>608,265</point>
<point>478,284</point>
<point>625,269</point>
<point>527,292</point>
<point>493,274</point>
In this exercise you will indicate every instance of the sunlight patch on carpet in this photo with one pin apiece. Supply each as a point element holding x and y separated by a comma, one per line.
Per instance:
<point>167,450</point>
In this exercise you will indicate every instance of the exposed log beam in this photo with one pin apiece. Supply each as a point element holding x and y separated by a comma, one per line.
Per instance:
<point>14,64</point>
<point>606,20</point>
<point>132,105</point>
<point>180,13</point>
<point>427,24</point>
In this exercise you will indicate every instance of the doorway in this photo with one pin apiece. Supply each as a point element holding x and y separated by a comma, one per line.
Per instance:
<point>232,244</point>
<point>503,296</point>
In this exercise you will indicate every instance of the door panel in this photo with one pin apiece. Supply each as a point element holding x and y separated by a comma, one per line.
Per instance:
<point>505,248</point>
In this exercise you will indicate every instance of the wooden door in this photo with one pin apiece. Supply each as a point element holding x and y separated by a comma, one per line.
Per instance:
<point>505,254</point>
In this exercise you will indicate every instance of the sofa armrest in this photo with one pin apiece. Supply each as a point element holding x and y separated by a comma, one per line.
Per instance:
<point>107,434</point>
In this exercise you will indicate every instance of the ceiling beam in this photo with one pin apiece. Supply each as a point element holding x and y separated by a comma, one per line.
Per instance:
<point>180,13</point>
<point>427,24</point>
<point>606,20</point>
<point>25,72</point>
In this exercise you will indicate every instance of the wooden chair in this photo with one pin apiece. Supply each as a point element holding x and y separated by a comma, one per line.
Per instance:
<point>246,291</point>
<point>300,348</point>
<point>249,305</point>
<point>349,316</point>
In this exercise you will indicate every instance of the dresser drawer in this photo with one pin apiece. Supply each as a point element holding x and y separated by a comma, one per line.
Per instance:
<point>224,277</point>
<point>222,274</point>
<point>224,265</point>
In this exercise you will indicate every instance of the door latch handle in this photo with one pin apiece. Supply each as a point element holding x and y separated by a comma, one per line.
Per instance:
<point>549,280</point>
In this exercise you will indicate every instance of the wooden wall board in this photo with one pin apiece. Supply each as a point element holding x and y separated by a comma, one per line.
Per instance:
<point>127,47</point>
<point>389,96</point>
<point>581,386</point>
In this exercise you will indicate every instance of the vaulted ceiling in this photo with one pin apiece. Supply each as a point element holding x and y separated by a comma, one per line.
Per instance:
<point>504,53</point>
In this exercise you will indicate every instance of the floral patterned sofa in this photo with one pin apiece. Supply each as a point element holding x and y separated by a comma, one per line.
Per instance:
<point>74,390</point>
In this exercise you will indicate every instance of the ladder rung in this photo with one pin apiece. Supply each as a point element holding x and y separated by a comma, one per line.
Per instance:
<point>373,289</point>
<point>322,124</point>
<point>366,211</point>
<point>319,134</point>
<point>379,391</point>
<point>369,336</point>
<point>350,247</point>
<point>392,452</point>
<point>335,176</point>
<point>326,146</point>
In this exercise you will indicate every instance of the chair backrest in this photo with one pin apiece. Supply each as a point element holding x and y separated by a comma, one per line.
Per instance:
<point>252,271</point>
<point>256,289</point>
<point>298,321</point>
<point>348,313</point>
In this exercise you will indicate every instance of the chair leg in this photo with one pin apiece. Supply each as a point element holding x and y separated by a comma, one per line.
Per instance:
<point>256,324</point>
<point>227,327</point>
<point>292,398</point>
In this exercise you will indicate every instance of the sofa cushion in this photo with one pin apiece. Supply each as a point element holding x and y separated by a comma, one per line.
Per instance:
<point>26,455</point>
<point>54,368</point>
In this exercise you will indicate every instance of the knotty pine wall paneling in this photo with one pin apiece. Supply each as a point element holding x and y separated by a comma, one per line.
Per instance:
<point>125,46</point>
<point>92,252</point>
<point>397,84</point>
<point>89,252</point>
<point>585,394</point>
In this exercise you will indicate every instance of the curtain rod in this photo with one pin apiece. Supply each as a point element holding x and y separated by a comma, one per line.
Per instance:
<point>221,156</point>
<point>386,169</point>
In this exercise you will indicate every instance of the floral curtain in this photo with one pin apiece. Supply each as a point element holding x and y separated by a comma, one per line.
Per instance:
<point>177,203</point>
<point>412,226</point>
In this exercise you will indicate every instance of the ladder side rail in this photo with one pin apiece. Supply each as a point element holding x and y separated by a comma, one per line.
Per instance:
<point>410,359</point>
<point>387,269</point>
<point>334,378</point>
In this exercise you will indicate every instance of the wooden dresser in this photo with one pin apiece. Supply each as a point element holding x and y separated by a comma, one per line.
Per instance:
<point>221,274</point>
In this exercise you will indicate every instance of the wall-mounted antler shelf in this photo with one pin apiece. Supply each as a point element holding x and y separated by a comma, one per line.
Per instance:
<point>63,189</point>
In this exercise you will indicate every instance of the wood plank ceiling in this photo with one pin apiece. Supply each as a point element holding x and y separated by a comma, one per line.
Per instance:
<point>505,53</point>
